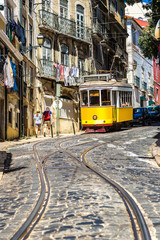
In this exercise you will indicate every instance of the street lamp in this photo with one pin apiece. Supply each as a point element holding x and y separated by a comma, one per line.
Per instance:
<point>134,65</point>
<point>157,30</point>
<point>40,39</point>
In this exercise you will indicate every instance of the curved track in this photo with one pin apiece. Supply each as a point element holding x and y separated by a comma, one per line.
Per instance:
<point>139,225</point>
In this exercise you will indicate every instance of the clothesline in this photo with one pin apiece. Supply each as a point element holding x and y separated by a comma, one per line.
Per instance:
<point>66,74</point>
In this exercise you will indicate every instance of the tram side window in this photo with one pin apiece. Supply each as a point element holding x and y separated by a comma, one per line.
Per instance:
<point>94,97</point>
<point>105,95</point>
<point>84,98</point>
<point>125,99</point>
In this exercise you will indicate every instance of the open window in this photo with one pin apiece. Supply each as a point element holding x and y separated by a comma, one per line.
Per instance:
<point>125,99</point>
<point>105,97</point>
<point>84,98</point>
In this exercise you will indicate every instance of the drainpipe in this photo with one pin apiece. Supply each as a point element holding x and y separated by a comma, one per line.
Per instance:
<point>5,113</point>
<point>21,127</point>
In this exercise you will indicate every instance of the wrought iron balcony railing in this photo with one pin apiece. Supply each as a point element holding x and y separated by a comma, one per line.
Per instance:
<point>144,86</point>
<point>47,69</point>
<point>136,81</point>
<point>64,26</point>
<point>99,28</point>
<point>151,91</point>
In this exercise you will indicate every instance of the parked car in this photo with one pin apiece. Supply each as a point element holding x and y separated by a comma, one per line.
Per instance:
<point>154,112</point>
<point>141,116</point>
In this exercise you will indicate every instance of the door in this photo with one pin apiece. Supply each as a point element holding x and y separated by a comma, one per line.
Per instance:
<point>114,108</point>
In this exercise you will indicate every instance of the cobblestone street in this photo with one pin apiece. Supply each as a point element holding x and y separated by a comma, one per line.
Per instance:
<point>81,205</point>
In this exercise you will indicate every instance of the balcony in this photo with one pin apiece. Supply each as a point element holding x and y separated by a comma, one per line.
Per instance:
<point>151,91</point>
<point>99,30</point>
<point>64,26</point>
<point>136,81</point>
<point>47,69</point>
<point>144,87</point>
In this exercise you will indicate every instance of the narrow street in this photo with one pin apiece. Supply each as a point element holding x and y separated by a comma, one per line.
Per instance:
<point>81,205</point>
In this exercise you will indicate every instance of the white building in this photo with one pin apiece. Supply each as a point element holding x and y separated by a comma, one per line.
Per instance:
<point>140,69</point>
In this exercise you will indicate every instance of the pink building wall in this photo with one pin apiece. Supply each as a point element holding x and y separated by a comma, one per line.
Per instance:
<point>156,70</point>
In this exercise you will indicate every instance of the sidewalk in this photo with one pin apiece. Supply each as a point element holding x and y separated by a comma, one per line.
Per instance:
<point>156,151</point>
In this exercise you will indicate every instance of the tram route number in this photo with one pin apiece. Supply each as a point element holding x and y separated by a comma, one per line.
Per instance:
<point>55,104</point>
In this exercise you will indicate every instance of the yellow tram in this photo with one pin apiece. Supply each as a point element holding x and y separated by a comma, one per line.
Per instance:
<point>105,105</point>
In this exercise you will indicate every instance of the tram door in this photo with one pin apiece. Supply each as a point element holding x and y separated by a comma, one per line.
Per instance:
<point>114,108</point>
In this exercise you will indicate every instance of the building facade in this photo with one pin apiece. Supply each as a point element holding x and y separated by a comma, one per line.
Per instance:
<point>156,81</point>
<point>81,38</point>
<point>10,75</point>
<point>140,69</point>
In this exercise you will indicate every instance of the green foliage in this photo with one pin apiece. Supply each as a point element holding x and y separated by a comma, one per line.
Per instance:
<point>148,43</point>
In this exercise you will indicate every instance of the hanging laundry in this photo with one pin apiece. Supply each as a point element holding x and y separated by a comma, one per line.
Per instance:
<point>57,74</point>
<point>8,74</point>
<point>61,71</point>
<point>22,34</point>
<point>13,65</point>
<point>71,72</point>
<point>76,72</point>
<point>55,65</point>
<point>17,31</point>
<point>66,75</point>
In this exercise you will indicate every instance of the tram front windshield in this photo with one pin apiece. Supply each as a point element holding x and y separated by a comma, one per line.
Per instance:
<point>94,97</point>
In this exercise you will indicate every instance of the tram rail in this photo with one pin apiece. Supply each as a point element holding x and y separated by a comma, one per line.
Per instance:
<point>131,206</point>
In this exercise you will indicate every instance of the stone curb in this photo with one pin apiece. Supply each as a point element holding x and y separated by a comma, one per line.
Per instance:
<point>156,153</point>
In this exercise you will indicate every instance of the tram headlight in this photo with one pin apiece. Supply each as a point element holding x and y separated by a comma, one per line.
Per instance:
<point>95,117</point>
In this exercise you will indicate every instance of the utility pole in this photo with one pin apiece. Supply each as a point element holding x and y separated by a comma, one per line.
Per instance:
<point>58,94</point>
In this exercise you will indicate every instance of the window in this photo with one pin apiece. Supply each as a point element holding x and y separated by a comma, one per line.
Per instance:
<point>80,21</point>
<point>46,5</point>
<point>94,97</point>
<point>30,41</point>
<point>125,99</point>
<point>47,51</point>
<point>84,98</point>
<point>10,116</point>
<point>64,8</point>
<point>64,55</point>
<point>156,94</point>
<point>31,95</point>
<point>17,120</point>
<point>30,6</point>
<point>24,72</point>
<point>24,24</point>
<point>81,66</point>
<point>31,75</point>
<point>105,97</point>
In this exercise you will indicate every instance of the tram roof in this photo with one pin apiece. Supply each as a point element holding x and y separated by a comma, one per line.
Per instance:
<point>108,84</point>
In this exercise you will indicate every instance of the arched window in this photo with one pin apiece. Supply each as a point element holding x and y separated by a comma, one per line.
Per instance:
<point>47,49</point>
<point>80,21</point>
<point>64,55</point>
